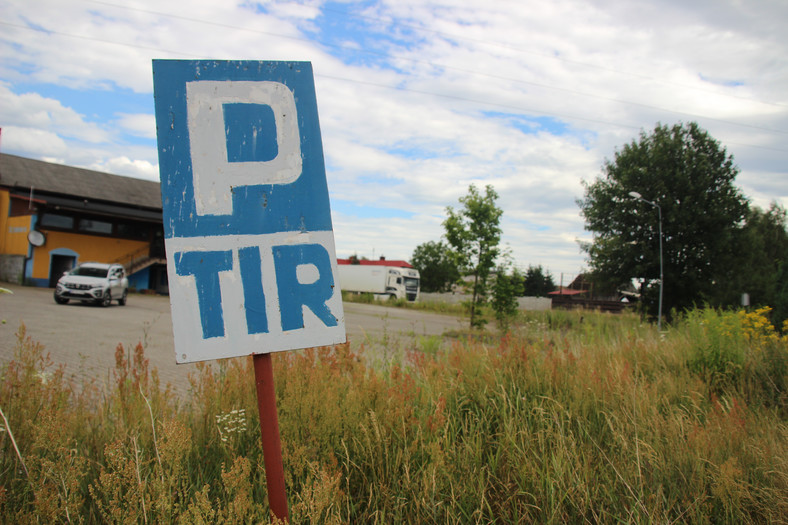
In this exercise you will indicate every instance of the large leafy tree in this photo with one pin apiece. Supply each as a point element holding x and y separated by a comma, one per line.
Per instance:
<point>690,176</point>
<point>474,233</point>
<point>437,266</point>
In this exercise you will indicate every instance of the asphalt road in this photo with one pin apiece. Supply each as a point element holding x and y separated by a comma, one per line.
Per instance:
<point>84,337</point>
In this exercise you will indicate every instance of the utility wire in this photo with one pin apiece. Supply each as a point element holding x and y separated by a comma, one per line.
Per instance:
<point>509,47</point>
<point>477,41</point>
<point>398,88</point>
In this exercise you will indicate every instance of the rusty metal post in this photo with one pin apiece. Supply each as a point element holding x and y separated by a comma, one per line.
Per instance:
<point>269,428</point>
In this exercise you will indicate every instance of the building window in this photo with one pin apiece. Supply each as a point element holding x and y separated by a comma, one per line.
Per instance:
<point>92,226</point>
<point>54,220</point>
<point>21,206</point>
<point>132,231</point>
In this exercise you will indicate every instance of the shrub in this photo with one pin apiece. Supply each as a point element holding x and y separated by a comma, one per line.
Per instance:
<point>741,352</point>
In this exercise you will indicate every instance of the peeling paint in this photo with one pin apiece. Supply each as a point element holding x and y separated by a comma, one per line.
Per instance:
<point>247,219</point>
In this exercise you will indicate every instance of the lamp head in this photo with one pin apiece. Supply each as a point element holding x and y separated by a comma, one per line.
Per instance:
<point>635,195</point>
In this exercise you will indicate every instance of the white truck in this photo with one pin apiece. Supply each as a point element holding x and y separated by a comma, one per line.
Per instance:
<point>383,281</point>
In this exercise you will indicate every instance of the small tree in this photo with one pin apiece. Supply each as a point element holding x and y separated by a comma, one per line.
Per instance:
<point>763,255</point>
<point>537,282</point>
<point>474,232</point>
<point>763,247</point>
<point>507,287</point>
<point>437,266</point>
<point>781,298</point>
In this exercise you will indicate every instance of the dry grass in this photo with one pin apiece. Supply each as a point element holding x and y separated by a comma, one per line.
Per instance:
<point>571,417</point>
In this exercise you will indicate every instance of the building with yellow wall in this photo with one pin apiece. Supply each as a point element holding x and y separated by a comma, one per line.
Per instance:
<point>53,217</point>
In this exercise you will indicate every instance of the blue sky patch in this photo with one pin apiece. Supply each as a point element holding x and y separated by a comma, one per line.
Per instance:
<point>92,102</point>
<point>528,225</point>
<point>532,125</point>
<point>411,151</point>
<point>379,180</point>
<point>357,39</point>
<point>367,212</point>
<point>721,81</point>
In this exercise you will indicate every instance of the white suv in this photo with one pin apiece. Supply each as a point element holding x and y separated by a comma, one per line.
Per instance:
<point>93,282</point>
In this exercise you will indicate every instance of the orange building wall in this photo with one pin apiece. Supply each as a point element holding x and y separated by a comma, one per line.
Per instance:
<point>90,248</point>
<point>16,235</point>
<point>5,203</point>
<point>13,230</point>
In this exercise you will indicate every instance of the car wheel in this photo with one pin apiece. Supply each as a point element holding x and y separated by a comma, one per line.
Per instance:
<point>60,300</point>
<point>122,300</point>
<point>107,299</point>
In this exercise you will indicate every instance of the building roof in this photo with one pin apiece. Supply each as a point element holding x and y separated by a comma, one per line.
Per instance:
<point>566,291</point>
<point>379,262</point>
<point>19,173</point>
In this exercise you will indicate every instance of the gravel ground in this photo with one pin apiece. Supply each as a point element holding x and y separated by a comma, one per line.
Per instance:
<point>84,337</point>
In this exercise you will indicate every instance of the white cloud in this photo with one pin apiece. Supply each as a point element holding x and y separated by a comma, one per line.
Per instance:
<point>125,166</point>
<point>423,98</point>
<point>33,142</point>
<point>33,111</point>
<point>140,124</point>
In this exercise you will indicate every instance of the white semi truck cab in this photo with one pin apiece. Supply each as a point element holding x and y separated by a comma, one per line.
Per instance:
<point>409,278</point>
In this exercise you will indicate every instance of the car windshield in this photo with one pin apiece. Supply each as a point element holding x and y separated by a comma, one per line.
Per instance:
<point>89,272</point>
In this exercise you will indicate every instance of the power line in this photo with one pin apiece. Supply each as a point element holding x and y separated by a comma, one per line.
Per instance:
<point>398,88</point>
<point>477,73</point>
<point>475,101</point>
<point>94,39</point>
<point>545,55</point>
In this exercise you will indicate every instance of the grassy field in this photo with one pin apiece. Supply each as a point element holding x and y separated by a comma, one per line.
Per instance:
<point>571,417</point>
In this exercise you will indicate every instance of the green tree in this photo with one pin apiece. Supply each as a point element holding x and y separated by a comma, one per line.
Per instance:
<point>437,266</point>
<point>780,315</point>
<point>537,282</point>
<point>690,177</point>
<point>763,253</point>
<point>474,233</point>
<point>507,287</point>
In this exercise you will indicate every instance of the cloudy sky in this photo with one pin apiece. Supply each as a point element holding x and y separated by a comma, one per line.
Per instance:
<point>418,99</point>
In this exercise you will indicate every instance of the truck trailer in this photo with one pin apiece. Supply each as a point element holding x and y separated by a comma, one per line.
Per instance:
<point>384,279</point>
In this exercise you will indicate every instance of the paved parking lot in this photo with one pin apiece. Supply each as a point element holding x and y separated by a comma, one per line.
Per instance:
<point>84,337</point>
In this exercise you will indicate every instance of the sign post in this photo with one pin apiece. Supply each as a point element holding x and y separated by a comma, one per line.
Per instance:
<point>247,223</point>
<point>269,429</point>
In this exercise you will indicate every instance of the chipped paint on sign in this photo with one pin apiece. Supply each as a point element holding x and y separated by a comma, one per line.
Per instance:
<point>250,246</point>
<point>220,108</point>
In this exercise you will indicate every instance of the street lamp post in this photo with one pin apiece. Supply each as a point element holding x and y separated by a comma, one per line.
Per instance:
<point>639,197</point>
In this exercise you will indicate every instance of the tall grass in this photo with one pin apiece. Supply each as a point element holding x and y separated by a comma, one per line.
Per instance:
<point>570,417</point>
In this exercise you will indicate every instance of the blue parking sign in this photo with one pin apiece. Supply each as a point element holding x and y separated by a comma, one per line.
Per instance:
<point>247,221</point>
